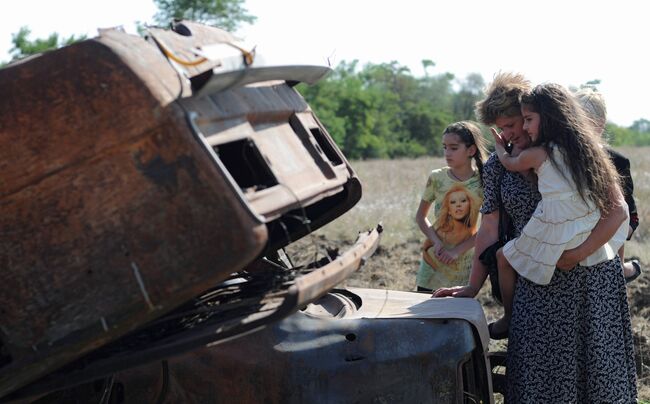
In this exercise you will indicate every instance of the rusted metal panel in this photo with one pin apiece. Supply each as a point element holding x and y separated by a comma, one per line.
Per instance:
<point>125,194</point>
<point>287,166</point>
<point>111,212</point>
<point>237,306</point>
<point>325,354</point>
<point>304,360</point>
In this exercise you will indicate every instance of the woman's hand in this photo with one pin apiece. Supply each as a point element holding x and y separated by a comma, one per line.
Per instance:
<point>568,260</point>
<point>456,291</point>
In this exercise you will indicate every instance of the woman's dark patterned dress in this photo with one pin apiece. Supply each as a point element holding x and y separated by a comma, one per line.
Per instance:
<point>571,340</point>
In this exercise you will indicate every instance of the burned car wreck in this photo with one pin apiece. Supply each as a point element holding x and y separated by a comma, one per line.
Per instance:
<point>149,188</point>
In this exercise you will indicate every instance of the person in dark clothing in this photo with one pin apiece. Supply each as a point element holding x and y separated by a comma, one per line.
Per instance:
<point>595,107</point>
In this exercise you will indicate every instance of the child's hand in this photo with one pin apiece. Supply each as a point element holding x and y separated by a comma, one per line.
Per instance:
<point>438,248</point>
<point>498,139</point>
<point>499,144</point>
<point>447,257</point>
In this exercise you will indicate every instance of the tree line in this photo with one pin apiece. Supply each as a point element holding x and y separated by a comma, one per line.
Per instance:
<point>384,111</point>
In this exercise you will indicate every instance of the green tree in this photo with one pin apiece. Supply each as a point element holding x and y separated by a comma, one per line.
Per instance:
<point>641,125</point>
<point>23,47</point>
<point>632,136</point>
<point>427,64</point>
<point>469,93</point>
<point>226,14</point>
<point>382,110</point>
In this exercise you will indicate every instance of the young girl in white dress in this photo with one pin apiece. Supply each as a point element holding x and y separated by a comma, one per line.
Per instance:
<point>574,176</point>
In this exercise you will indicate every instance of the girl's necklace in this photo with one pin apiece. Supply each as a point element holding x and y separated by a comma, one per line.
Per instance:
<point>458,179</point>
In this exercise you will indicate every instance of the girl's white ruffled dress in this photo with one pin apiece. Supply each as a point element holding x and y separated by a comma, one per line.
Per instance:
<point>561,221</point>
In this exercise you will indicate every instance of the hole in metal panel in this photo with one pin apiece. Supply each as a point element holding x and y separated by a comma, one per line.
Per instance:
<point>246,165</point>
<point>326,146</point>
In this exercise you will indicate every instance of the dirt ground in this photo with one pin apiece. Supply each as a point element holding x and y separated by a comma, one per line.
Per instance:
<point>395,267</point>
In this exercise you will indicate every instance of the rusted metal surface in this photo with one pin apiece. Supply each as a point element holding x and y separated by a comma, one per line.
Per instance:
<point>142,207</point>
<point>120,199</point>
<point>108,207</point>
<point>286,165</point>
<point>314,285</point>
<point>239,305</point>
<point>215,61</point>
<point>328,353</point>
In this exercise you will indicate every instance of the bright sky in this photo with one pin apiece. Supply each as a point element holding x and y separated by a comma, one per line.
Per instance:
<point>563,41</point>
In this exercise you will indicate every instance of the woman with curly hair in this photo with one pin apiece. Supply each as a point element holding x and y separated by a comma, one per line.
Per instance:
<point>569,341</point>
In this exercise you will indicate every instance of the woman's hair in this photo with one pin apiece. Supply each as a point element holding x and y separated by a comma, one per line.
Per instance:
<point>444,221</point>
<point>594,105</point>
<point>502,97</point>
<point>470,134</point>
<point>564,123</point>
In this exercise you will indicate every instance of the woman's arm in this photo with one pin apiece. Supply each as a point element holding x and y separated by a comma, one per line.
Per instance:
<point>601,234</point>
<point>488,232</point>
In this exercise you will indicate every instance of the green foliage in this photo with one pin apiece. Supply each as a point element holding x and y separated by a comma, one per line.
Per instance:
<point>636,135</point>
<point>23,47</point>
<point>226,14</point>
<point>383,111</point>
<point>641,126</point>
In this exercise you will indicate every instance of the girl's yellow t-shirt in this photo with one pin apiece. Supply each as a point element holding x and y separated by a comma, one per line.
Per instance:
<point>438,184</point>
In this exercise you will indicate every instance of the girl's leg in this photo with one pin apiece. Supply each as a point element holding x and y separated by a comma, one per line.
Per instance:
<point>621,253</point>
<point>628,268</point>
<point>507,279</point>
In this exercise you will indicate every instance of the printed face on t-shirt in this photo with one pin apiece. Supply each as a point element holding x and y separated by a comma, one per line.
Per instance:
<point>458,205</point>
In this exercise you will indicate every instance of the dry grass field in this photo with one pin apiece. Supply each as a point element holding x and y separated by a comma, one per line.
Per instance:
<point>391,194</point>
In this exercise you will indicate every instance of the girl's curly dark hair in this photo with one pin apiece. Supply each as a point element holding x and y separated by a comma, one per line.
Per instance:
<point>564,123</point>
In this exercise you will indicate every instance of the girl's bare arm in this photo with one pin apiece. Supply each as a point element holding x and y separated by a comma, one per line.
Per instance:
<point>525,160</point>
<point>463,246</point>
<point>425,225</point>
